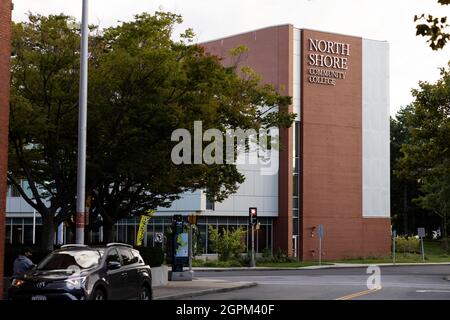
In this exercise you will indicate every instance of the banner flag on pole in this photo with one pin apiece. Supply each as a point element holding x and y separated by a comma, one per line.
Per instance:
<point>143,226</point>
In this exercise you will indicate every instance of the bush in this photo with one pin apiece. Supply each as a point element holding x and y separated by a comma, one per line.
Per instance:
<point>227,243</point>
<point>407,244</point>
<point>153,256</point>
<point>218,264</point>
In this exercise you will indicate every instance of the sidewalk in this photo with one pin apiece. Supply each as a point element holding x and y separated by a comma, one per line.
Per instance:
<point>198,287</point>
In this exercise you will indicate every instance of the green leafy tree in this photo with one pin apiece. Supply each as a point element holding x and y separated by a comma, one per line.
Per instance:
<point>434,28</point>
<point>404,188</point>
<point>43,117</point>
<point>142,86</point>
<point>227,243</point>
<point>426,155</point>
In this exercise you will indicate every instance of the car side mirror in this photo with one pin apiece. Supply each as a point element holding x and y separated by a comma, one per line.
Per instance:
<point>113,265</point>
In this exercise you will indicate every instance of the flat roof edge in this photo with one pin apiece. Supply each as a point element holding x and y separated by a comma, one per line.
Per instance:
<point>286,25</point>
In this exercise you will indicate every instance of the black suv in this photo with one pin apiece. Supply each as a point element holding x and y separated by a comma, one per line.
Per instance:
<point>77,272</point>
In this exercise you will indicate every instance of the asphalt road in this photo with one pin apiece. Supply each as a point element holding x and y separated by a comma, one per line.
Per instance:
<point>397,283</point>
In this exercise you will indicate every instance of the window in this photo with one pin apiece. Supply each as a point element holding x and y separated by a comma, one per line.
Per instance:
<point>113,256</point>
<point>136,256</point>
<point>14,192</point>
<point>83,259</point>
<point>209,203</point>
<point>127,256</point>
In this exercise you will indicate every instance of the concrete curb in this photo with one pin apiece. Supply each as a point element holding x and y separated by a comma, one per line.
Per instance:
<point>206,291</point>
<point>334,266</point>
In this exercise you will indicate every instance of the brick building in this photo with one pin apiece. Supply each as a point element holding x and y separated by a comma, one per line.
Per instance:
<point>5,54</point>
<point>333,169</point>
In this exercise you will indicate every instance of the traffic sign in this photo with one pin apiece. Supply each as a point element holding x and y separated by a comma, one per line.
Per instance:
<point>159,237</point>
<point>421,232</point>
<point>320,231</point>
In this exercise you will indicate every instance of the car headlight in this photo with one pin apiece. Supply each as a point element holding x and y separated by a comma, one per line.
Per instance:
<point>17,283</point>
<point>75,283</point>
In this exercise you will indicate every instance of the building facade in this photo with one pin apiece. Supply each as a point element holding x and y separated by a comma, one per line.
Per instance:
<point>332,168</point>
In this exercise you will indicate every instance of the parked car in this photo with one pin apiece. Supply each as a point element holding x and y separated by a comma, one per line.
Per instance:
<point>77,272</point>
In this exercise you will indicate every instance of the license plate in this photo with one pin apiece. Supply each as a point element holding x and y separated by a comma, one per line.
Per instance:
<point>39,298</point>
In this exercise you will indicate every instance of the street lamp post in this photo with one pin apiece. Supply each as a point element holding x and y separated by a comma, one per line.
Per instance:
<point>82,127</point>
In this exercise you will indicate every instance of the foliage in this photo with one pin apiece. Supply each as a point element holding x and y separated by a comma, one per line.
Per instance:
<point>406,214</point>
<point>227,243</point>
<point>279,257</point>
<point>426,155</point>
<point>153,256</point>
<point>407,244</point>
<point>434,28</point>
<point>219,264</point>
<point>43,116</point>
<point>142,86</point>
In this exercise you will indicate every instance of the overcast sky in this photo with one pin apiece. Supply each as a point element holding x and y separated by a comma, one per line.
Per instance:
<point>392,20</point>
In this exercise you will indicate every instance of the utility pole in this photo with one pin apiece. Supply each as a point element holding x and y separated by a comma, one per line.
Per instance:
<point>253,217</point>
<point>253,263</point>
<point>82,127</point>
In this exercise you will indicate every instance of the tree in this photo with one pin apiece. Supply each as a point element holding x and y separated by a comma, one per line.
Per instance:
<point>426,156</point>
<point>434,28</point>
<point>407,215</point>
<point>151,86</point>
<point>43,118</point>
<point>436,189</point>
<point>142,87</point>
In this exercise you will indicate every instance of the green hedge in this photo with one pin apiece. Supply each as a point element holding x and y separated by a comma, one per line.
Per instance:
<point>153,256</point>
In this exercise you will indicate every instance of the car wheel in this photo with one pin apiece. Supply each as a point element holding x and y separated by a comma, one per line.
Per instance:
<point>99,294</point>
<point>145,294</point>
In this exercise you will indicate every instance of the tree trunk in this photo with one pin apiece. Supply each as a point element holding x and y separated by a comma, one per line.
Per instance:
<point>405,209</point>
<point>48,232</point>
<point>108,232</point>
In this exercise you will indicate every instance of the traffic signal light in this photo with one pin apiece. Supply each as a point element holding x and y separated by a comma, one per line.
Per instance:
<point>253,215</point>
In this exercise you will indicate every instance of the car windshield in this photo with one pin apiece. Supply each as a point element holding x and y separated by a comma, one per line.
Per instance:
<point>71,259</point>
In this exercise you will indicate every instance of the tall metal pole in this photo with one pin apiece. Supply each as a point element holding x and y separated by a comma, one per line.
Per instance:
<point>394,236</point>
<point>423,250</point>
<point>320,251</point>
<point>82,127</point>
<point>253,263</point>
<point>190,247</point>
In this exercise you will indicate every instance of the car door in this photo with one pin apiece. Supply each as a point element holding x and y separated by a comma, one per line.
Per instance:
<point>118,278</point>
<point>129,266</point>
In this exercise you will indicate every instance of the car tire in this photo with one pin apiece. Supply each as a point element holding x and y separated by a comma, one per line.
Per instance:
<point>145,293</point>
<point>99,294</point>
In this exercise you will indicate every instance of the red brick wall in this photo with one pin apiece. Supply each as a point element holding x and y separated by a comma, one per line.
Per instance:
<point>271,56</point>
<point>5,53</point>
<point>332,163</point>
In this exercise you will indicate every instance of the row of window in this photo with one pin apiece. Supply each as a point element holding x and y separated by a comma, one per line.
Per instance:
<point>21,231</point>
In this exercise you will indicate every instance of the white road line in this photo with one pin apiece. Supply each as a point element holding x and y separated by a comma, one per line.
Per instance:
<point>433,291</point>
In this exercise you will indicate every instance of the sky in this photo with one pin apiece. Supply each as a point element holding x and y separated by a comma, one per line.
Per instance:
<point>411,59</point>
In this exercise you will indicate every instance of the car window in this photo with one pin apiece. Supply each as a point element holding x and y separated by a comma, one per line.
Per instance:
<point>127,256</point>
<point>113,256</point>
<point>137,256</point>
<point>64,259</point>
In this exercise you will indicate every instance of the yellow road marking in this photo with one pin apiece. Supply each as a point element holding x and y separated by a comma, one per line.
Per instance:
<point>359,294</point>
